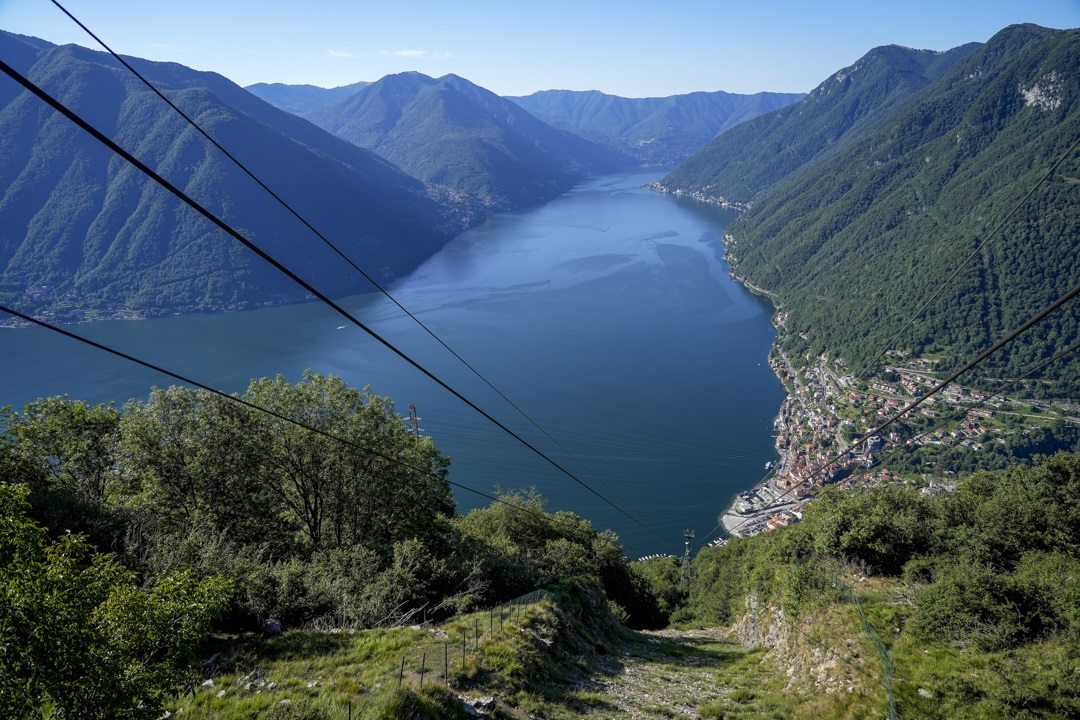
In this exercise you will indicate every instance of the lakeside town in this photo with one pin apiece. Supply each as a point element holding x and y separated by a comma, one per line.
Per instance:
<point>825,430</point>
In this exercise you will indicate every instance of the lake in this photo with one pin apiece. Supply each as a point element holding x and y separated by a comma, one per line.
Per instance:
<point>607,315</point>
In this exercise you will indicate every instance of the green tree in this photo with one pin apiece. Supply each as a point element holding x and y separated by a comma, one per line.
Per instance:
<point>70,441</point>
<point>384,486</point>
<point>200,461</point>
<point>190,461</point>
<point>78,637</point>
<point>311,527</point>
<point>882,529</point>
<point>64,450</point>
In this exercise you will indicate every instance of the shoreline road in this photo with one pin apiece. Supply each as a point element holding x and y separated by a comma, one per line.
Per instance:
<point>731,521</point>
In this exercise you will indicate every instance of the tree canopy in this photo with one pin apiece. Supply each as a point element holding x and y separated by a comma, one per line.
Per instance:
<point>79,636</point>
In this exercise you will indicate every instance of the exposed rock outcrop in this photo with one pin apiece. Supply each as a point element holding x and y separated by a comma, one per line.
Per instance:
<point>805,662</point>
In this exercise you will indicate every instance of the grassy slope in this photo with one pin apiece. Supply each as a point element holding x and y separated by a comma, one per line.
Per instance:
<point>565,657</point>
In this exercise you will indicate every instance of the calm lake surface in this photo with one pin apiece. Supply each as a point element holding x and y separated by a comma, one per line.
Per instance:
<point>607,315</point>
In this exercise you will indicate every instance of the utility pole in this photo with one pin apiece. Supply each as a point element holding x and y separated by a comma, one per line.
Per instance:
<point>689,535</point>
<point>414,422</point>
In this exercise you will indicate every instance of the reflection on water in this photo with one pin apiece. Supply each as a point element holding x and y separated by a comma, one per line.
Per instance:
<point>607,315</point>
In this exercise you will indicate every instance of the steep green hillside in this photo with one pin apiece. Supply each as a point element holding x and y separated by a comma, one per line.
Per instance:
<point>965,604</point>
<point>656,131</point>
<point>452,133</point>
<point>82,232</point>
<point>855,243</point>
<point>974,596</point>
<point>762,153</point>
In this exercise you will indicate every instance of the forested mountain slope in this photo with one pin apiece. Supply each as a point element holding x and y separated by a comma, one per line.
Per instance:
<point>759,154</point>
<point>452,133</point>
<point>83,232</point>
<point>856,241</point>
<point>657,131</point>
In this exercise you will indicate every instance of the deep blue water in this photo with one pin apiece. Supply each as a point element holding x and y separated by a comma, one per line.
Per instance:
<point>607,315</point>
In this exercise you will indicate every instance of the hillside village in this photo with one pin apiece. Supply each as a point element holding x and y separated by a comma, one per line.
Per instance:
<point>821,431</point>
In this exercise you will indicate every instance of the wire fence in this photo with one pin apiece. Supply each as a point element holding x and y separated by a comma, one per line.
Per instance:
<point>454,652</point>
<point>888,667</point>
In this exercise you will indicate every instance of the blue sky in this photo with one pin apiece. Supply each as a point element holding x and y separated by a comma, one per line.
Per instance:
<point>624,47</point>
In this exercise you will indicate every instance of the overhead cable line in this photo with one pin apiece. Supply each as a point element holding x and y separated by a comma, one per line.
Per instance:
<point>709,536</point>
<point>273,413</point>
<point>100,137</point>
<point>941,288</point>
<point>933,297</point>
<point>976,405</point>
<point>1037,318</point>
<point>328,243</point>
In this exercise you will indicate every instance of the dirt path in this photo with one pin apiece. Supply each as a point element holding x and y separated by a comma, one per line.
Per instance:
<point>666,674</point>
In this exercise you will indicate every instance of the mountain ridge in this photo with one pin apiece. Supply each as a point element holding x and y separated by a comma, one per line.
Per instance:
<point>85,234</point>
<point>299,99</point>
<point>856,237</point>
<point>854,98</point>
<point>657,131</point>
<point>452,133</point>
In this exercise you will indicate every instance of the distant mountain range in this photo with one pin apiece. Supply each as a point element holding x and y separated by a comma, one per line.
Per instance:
<point>83,233</point>
<point>869,192</point>
<point>300,99</point>
<point>458,136</point>
<point>861,195</point>
<point>655,131</point>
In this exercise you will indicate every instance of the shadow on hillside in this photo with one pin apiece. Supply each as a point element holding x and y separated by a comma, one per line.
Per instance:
<point>250,650</point>
<point>699,651</point>
<point>689,650</point>
<point>615,679</point>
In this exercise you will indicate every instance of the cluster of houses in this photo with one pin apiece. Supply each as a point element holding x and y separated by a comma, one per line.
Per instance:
<point>824,409</point>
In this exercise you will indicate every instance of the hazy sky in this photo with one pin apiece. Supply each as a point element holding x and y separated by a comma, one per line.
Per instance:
<point>625,47</point>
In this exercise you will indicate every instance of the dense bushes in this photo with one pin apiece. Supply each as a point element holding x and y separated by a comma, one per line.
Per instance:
<point>308,528</point>
<point>881,529</point>
<point>522,550</point>
<point>994,564</point>
<point>663,577</point>
<point>1002,568</point>
<point>79,637</point>
<point>216,506</point>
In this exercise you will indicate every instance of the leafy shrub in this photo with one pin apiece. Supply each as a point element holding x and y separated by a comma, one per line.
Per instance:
<point>975,604</point>
<point>882,529</point>
<point>79,636</point>
<point>521,551</point>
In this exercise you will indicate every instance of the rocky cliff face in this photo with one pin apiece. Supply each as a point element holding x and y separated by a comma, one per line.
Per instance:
<point>825,661</point>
